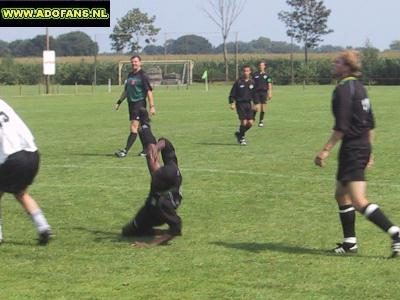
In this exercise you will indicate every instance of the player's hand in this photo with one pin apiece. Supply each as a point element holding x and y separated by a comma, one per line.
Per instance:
<point>116,106</point>
<point>152,111</point>
<point>320,158</point>
<point>233,106</point>
<point>371,161</point>
<point>138,244</point>
<point>269,97</point>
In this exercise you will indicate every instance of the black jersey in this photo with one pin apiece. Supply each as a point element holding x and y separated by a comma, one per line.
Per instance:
<point>242,90</point>
<point>352,110</point>
<point>261,81</point>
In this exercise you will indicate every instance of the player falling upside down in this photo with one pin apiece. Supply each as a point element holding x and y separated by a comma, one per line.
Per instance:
<point>241,97</point>
<point>165,194</point>
<point>19,164</point>
<point>354,124</point>
<point>137,89</point>
<point>263,87</point>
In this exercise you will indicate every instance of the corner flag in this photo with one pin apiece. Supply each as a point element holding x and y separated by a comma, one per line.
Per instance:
<point>205,77</point>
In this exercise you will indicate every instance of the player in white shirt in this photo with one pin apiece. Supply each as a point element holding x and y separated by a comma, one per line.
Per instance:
<point>19,164</point>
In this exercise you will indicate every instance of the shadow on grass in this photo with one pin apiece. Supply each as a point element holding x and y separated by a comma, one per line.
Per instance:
<point>216,144</point>
<point>102,236</point>
<point>18,243</point>
<point>284,248</point>
<point>95,154</point>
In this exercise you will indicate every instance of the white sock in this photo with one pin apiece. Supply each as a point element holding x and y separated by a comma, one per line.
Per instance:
<point>1,229</point>
<point>40,221</point>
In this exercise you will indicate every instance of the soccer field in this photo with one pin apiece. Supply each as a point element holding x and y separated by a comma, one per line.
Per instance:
<point>257,220</point>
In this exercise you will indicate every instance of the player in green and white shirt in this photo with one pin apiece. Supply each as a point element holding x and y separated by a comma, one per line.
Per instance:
<point>137,89</point>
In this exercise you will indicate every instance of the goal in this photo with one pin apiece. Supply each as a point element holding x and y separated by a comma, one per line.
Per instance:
<point>161,72</point>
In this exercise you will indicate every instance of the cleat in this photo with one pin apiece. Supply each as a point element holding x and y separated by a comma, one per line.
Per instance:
<point>237,136</point>
<point>395,248</point>
<point>121,153</point>
<point>345,248</point>
<point>142,153</point>
<point>243,142</point>
<point>45,237</point>
<point>261,124</point>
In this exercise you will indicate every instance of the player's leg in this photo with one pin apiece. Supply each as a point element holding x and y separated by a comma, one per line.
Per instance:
<point>143,152</point>
<point>263,107</point>
<point>38,218</point>
<point>347,218</point>
<point>1,220</point>
<point>357,192</point>
<point>141,224</point>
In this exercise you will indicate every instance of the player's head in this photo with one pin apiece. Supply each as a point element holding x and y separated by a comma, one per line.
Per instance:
<point>168,152</point>
<point>136,62</point>
<point>261,65</point>
<point>346,64</point>
<point>246,70</point>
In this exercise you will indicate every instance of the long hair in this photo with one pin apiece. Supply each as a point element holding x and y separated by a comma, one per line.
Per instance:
<point>351,58</point>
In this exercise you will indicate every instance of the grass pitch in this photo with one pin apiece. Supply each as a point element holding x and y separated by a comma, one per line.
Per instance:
<point>257,220</point>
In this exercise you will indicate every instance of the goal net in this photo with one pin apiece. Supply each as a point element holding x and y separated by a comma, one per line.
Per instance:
<point>161,72</point>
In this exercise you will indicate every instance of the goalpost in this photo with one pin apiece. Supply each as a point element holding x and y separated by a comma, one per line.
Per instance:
<point>161,72</point>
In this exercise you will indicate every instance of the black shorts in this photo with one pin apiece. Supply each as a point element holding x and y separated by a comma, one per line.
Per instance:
<point>134,108</point>
<point>260,97</point>
<point>159,212</point>
<point>245,110</point>
<point>18,171</point>
<point>352,163</point>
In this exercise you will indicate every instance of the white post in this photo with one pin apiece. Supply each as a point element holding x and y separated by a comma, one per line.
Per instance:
<point>206,82</point>
<point>109,85</point>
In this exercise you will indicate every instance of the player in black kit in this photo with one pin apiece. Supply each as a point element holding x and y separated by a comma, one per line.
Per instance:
<point>263,87</point>
<point>241,97</point>
<point>354,124</point>
<point>165,191</point>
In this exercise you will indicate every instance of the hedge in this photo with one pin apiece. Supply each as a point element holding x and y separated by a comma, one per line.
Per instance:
<point>386,71</point>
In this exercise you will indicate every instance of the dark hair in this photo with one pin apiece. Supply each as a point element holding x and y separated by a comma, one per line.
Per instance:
<point>262,62</point>
<point>246,66</point>
<point>136,56</point>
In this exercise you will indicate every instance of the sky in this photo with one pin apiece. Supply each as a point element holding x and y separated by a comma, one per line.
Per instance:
<point>353,22</point>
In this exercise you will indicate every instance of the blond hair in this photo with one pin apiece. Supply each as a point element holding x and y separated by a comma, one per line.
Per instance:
<point>351,58</point>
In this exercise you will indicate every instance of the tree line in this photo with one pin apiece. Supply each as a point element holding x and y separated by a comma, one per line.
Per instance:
<point>75,43</point>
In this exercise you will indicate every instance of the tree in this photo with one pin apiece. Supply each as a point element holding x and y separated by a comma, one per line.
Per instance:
<point>190,44</point>
<point>153,50</point>
<point>369,59</point>
<point>76,43</point>
<point>224,13</point>
<point>4,50</point>
<point>129,31</point>
<point>306,23</point>
<point>395,45</point>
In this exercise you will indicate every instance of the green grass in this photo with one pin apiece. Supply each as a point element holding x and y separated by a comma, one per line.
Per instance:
<point>257,219</point>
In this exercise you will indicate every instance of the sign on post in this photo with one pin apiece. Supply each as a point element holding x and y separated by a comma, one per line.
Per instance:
<point>49,62</point>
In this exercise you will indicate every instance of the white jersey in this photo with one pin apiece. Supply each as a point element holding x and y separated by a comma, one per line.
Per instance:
<point>15,136</point>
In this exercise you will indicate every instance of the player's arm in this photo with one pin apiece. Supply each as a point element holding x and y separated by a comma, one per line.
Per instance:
<point>120,100</point>
<point>269,85</point>
<point>148,89</point>
<point>232,96</point>
<point>153,162</point>
<point>371,138</point>
<point>150,99</point>
<point>324,153</point>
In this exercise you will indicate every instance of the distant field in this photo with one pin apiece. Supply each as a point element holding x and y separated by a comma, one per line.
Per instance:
<point>213,57</point>
<point>257,220</point>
